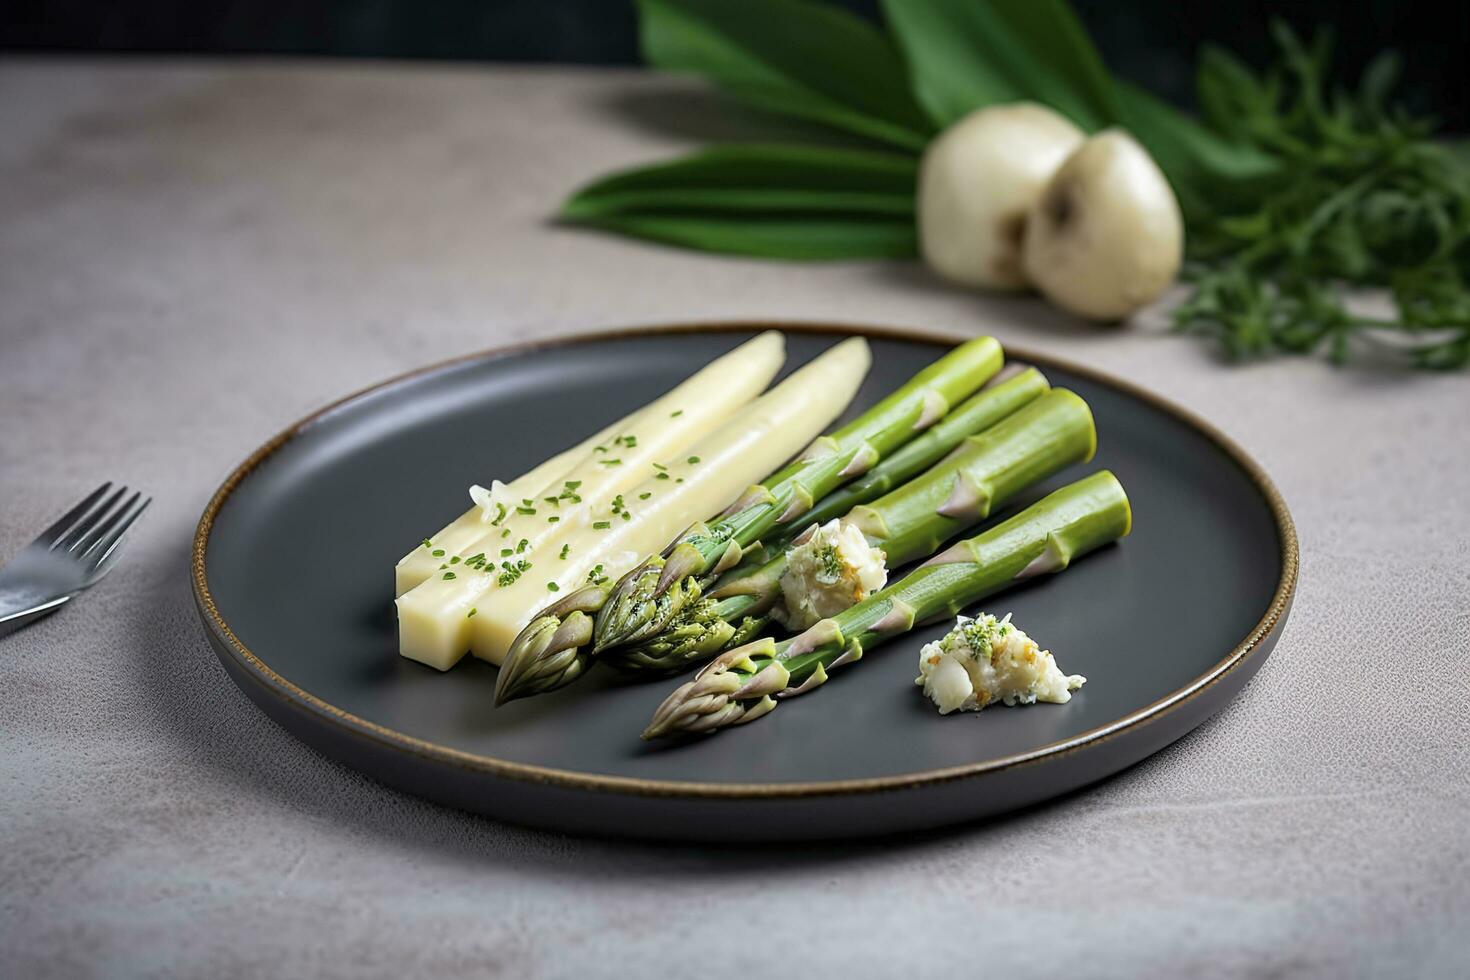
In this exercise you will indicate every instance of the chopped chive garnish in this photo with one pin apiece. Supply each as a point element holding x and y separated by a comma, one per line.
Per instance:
<point>509,573</point>
<point>472,612</point>
<point>506,552</point>
<point>645,495</point>
<point>454,560</point>
<point>505,533</point>
<point>659,466</point>
<point>525,510</point>
<point>552,519</point>
<point>679,480</point>
<point>521,545</point>
<point>674,415</point>
<point>499,514</point>
<point>437,552</point>
<point>428,543</point>
<point>551,587</point>
<point>442,567</point>
<point>661,476</point>
<point>565,549</point>
<point>527,501</point>
<point>572,484</point>
<point>611,462</point>
<point>599,449</point>
<point>476,558</point>
<point>601,525</point>
<point>553,501</point>
<point>448,576</point>
<point>627,516</point>
<point>692,460</point>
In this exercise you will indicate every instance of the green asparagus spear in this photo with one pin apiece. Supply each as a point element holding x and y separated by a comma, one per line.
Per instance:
<point>1012,389</point>
<point>658,588</point>
<point>909,523</point>
<point>745,683</point>
<point>648,597</point>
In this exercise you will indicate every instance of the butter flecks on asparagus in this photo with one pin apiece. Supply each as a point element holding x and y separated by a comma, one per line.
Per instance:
<point>717,470</point>
<point>509,538</point>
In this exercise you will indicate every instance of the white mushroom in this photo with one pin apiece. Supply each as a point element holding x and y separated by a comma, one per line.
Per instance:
<point>1106,236</point>
<point>978,180</point>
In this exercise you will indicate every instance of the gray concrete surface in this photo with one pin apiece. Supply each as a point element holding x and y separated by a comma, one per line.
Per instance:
<point>192,255</point>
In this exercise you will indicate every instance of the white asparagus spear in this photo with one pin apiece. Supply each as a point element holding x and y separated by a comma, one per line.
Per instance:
<point>758,354</point>
<point>432,624</point>
<point>751,445</point>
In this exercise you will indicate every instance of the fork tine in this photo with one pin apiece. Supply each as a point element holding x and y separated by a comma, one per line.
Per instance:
<point>53,533</point>
<point>107,545</point>
<point>77,534</point>
<point>94,537</point>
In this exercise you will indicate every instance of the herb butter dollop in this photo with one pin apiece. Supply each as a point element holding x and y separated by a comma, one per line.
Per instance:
<point>832,568</point>
<point>984,660</point>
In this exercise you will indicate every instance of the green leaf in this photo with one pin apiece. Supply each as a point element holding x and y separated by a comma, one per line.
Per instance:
<point>1230,94</point>
<point>785,202</point>
<point>964,54</point>
<point>1209,173</point>
<point>1379,79</point>
<point>801,59</point>
<point>764,236</point>
<point>757,178</point>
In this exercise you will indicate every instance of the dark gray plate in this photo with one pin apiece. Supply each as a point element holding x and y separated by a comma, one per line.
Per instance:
<point>292,573</point>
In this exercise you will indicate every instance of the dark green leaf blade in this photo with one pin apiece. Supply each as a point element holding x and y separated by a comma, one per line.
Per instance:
<point>800,237</point>
<point>757,177</point>
<point>787,202</point>
<point>964,54</point>
<point>789,56</point>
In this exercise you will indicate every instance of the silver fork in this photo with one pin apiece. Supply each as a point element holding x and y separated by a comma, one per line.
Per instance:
<point>68,557</point>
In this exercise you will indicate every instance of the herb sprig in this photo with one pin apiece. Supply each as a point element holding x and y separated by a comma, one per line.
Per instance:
<point>1364,199</point>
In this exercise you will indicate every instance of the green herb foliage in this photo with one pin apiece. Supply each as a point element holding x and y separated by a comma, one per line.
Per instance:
<point>1294,193</point>
<point>1364,199</point>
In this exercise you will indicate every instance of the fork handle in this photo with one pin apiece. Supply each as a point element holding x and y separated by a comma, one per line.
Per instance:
<point>17,612</point>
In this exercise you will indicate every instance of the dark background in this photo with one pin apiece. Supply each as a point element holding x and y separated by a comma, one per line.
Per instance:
<point>1151,41</point>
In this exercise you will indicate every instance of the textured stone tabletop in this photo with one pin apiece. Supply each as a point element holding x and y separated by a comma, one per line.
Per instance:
<point>193,255</point>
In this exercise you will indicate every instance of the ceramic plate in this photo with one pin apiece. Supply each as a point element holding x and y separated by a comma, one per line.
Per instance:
<point>292,571</point>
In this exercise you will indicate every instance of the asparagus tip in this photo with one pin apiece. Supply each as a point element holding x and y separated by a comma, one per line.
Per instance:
<point>546,655</point>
